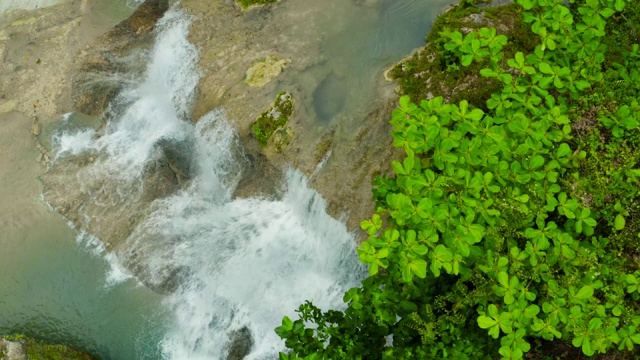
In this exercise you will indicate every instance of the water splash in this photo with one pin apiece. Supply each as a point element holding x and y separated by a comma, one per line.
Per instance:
<point>254,261</point>
<point>116,273</point>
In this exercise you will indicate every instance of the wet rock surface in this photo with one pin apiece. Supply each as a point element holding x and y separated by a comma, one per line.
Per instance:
<point>107,64</point>
<point>231,42</point>
<point>240,345</point>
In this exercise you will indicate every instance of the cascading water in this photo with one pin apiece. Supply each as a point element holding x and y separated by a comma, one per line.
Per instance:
<point>244,263</point>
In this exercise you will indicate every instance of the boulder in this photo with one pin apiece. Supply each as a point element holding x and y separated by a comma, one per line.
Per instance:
<point>240,344</point>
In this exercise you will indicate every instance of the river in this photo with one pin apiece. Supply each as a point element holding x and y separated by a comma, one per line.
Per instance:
<point>249,261</point>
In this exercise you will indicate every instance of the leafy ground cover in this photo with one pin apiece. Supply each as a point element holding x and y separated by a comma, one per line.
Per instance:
<point>510,230</point>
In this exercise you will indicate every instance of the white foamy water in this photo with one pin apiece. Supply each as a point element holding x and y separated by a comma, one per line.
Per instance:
<point>253,261</point>
<point>245,263</point>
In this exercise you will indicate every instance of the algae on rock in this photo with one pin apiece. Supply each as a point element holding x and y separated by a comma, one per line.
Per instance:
<point>262,72</point>
<point>275,119</point>
<point>20,347</point>
<point>246,4</point>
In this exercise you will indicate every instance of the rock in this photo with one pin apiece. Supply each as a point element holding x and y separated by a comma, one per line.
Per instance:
<point>35,129</point>
<point>262,72</point>
<point>8,106</point>
<point>275,117</point>
<point>261,179</point>
<point>12,350</point>
<point>241,342</point>
<point>178,156</point>
<point>24,21</point>
<point>477,19</point>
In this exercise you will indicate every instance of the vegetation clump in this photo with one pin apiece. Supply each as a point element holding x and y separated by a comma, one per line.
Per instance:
<point>510,229</point>
<point>276,117</point>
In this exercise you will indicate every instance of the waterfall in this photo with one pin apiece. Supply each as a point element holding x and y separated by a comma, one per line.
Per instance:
<point>245,263</point>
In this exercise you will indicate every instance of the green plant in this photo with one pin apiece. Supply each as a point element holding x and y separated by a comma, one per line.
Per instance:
<point>487,224</point>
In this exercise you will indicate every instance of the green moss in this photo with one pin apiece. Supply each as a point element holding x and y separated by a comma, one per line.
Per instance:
<point>246,3</point>
<point>274,118</point>
<point>40,351</point>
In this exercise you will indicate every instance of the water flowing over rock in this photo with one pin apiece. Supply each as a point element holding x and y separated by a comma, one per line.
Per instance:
<point>109,198</point>
<point>162,192</point>
<point>117,56</point>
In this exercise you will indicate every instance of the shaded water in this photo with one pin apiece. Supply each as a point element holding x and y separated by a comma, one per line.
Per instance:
<point>249,262</point>
<point>357,40</point>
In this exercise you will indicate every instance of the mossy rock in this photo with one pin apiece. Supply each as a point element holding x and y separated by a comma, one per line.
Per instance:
<point>434,71</point>
<point>262,72</point>
<point>275,118</point>
<point>36,350</point>
<point>245,4</point>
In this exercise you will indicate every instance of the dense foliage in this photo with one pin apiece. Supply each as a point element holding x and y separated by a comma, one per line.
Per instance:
<point>512,226</point>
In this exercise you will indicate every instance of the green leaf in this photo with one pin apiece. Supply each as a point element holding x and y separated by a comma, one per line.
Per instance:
<point>467,60</point>
<point>584,293</point>
<point>531,311</point>
<point>563,150</point>
<point>545,68</point>
<point>287,323</point>
<point>486,322</point>
<point>619,222</point>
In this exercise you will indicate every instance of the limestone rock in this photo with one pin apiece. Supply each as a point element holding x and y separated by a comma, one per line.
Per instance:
<point>12,350</point>
<point>262,72</point>
<point>8,106</point>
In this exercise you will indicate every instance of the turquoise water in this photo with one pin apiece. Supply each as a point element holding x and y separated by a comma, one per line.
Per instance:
<point>53,287</point>
<point>56,291</point>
